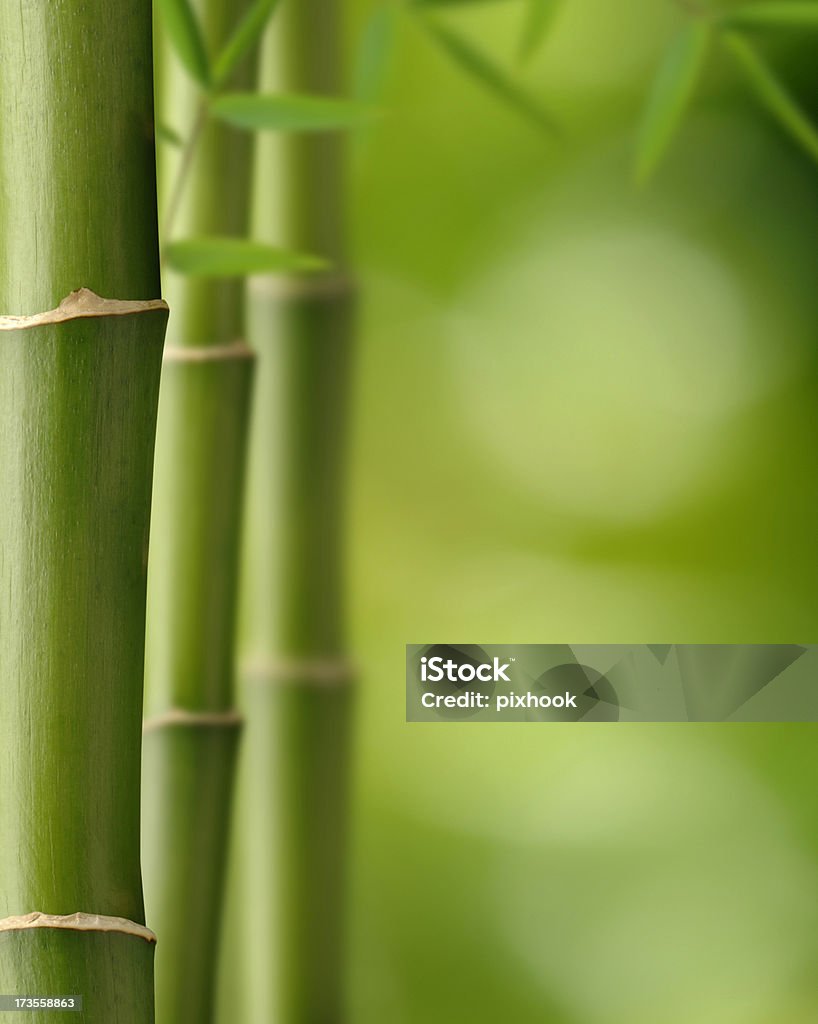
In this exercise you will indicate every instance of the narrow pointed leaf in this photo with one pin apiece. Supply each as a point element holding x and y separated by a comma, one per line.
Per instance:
<point>164,133</point>
<point>235,257</point>
<point>375,47</point>
<point>289,112</point>
<point>670,95</point>
<point>539,17</point>
<point>773,95</point>
<point>478,66</point>
<point>786,13</point>
<point>247,33</point>
<point>185,34</point>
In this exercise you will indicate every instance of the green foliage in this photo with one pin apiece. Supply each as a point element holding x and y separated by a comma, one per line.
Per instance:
<point>247,33</point>
<point>185,34</point>
<point>772,94</point>
<point>682,67</point>
<point>670,95</point>
<point>377,40</point>
<point>235,257</point>
<point>479,67</point>
<point>539,17</point>
<point>289,112</point>
<point>164,133</point>
<point>785,13</point>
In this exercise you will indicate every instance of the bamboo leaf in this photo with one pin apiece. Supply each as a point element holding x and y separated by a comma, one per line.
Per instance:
<point>773,94</point>
<point>248,32</point>
<point>289,112</point>
<point>185,34</point>
<point>539,17</point>
<point>785,13</point>
<point>374,49</point>
<point>235,257</point>
<point>164,133</point>
<point>492,77</point>
<point>670,95</point>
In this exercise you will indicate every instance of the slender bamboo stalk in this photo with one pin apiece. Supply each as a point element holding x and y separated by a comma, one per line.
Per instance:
<point>288,853</point>
<point>78,394</point>
<point>191,729</point>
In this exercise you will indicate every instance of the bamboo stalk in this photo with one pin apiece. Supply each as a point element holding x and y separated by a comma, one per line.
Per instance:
<point>288,850</point>
<point>76,134</point>
<point>77,416</point>
<point>191,732</point>
<point>78,393</point>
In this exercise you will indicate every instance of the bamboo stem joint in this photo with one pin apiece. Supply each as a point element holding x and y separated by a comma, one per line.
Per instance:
<point>207,353</point>
<point>304,671</point>
<point>194,719</point>
<point>77,923</point>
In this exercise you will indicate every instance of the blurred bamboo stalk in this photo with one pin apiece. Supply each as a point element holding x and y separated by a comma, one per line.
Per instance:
<point>287,860</point>
<point>191,729</point>
<point>78,395</point>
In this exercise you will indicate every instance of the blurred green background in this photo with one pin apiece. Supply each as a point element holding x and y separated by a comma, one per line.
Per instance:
<point>587,413</point>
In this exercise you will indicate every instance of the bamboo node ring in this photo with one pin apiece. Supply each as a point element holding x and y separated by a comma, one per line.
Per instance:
<point>77,923</point>
<point>319,672</point>
<point>237,350</point>
<point>196,719</point>
<point>83,304</point>
<point>315,286</point>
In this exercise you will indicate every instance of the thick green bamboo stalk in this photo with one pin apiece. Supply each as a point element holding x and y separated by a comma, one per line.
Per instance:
<point>78,206</point>
<point>78,393</point>
<point>288,854</point>
<point>77,416</point>
<point>192,730</point>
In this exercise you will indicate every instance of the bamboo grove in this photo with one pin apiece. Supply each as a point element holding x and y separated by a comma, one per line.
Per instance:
<point>248,683</point>
<point>221,76</point>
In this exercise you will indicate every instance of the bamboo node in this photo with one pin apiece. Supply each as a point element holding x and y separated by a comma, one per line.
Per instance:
<point>207,353</point>
<point>181,717</point>
<point>77,923</point>
<point>315,286</point>
<point>82,304</point>
<point>318,672</point>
